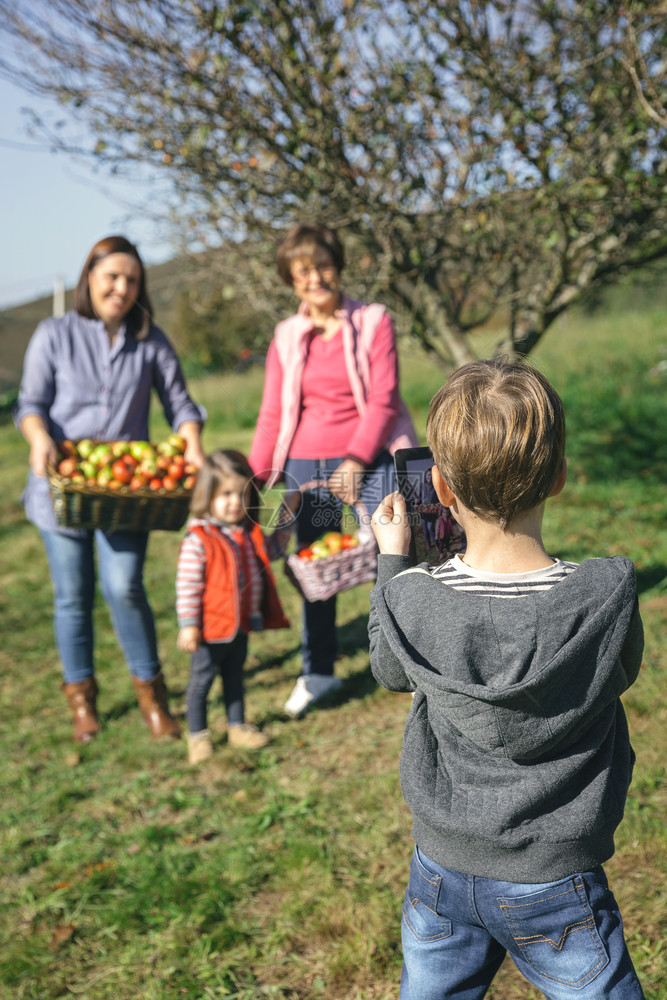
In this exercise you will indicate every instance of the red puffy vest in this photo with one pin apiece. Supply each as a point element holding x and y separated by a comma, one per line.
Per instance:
<point>223,614</point>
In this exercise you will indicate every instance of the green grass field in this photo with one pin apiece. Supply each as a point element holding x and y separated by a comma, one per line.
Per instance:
<point>127,874</point>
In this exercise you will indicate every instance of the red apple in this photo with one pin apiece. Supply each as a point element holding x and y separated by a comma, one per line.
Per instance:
<point>176,470</point>
<point>68,467</point>
<point>121,471</point>
<point>67,449</point>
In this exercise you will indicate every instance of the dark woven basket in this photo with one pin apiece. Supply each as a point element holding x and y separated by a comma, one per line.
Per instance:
<point>77,505</point>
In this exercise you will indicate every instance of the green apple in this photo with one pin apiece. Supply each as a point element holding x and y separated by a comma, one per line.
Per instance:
<point>88,469</point>
<point>178,442</point>
<point>84,448</point>
<point>101,456</point>
<point>333,540</point>
<point>120,448</point>
<point>141,449</point>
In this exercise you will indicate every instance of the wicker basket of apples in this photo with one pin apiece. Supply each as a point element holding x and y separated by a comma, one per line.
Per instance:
<point>122,485</point>
<point>333,563</point>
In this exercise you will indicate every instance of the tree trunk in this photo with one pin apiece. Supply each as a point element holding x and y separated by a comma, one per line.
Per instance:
<point>448,343</point>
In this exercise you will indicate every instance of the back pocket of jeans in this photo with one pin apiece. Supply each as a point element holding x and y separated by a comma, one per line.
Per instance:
<point>554,930</point>
<point>421,900</point>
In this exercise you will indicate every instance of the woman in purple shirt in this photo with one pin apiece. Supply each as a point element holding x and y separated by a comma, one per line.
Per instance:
<point>89,374</point>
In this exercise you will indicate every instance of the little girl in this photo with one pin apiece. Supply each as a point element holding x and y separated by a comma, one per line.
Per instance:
<point>225,589</point>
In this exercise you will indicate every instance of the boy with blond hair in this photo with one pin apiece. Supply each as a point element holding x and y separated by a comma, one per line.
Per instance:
<point>516,758</point>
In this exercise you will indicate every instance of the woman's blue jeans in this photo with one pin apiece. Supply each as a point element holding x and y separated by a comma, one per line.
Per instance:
<point>322,512</point>
<point>120,558</point>
<point>565,937</point>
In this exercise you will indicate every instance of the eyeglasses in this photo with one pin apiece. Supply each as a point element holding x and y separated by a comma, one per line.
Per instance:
<point>301,273</point>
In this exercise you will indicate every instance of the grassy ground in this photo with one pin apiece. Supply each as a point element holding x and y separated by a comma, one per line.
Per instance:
<point>126,874</point>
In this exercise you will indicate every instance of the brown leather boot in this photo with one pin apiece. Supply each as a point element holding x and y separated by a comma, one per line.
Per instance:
<point>81,697</point>
<point>152,698</point>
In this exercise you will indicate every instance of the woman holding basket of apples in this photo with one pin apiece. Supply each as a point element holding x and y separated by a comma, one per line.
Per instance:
<point>330,413</point>
<point>89,375</point>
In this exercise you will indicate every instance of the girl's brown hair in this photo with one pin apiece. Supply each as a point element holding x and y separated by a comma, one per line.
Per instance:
<point>497,433</point>
<point>138,320</point>
<point>218,466</point>
<point>301,243</point>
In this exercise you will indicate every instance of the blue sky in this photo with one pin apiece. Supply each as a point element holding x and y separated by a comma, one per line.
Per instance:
<point>53,209</point>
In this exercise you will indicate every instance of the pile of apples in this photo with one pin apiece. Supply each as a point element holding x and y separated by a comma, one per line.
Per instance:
<point>328,545</point>
<point>137,465</point>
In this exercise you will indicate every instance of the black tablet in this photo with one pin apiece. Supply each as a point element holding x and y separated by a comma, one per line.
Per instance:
<point>435,535</point>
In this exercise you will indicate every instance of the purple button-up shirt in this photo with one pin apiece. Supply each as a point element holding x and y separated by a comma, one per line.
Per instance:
<point>84,388</point>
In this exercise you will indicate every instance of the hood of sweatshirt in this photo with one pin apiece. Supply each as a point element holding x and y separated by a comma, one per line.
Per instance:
<point>519,678</point>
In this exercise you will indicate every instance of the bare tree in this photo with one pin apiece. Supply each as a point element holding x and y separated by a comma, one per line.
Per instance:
<point>479,157</point>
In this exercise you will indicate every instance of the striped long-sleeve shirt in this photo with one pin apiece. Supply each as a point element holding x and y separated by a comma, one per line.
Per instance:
<point>455,573</point>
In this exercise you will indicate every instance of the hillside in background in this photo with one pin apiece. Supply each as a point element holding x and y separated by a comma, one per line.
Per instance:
<point>169,281</point>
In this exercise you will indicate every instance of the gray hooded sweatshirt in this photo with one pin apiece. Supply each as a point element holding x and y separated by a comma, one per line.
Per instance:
<point>516,758</point>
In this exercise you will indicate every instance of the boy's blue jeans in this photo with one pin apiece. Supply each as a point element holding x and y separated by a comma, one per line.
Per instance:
<point>565,937</point>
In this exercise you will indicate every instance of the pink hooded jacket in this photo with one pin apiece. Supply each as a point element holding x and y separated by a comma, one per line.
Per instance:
<point>278,419</point>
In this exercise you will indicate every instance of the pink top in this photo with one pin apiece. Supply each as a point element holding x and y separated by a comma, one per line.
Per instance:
<point>328,423</point>
<point>324,431</point>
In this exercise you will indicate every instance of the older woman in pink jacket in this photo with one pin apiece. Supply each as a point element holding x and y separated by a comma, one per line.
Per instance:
<point>330,413</point>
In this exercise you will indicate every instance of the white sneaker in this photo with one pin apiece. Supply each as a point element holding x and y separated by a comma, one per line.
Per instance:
<point>308,689</point>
